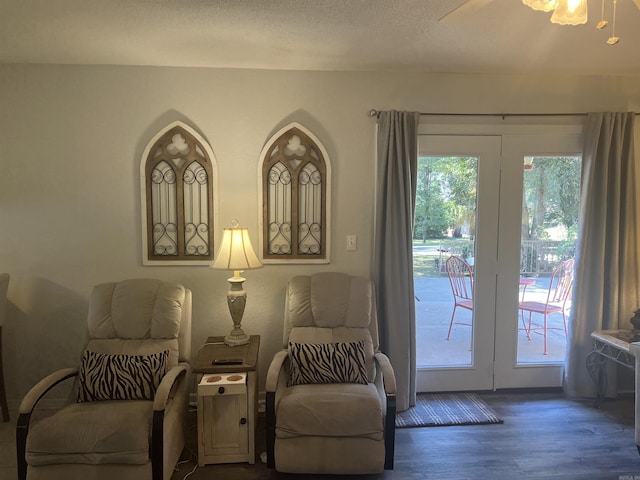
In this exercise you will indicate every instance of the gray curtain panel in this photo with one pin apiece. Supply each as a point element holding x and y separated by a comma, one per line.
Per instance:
<point>606,290</point>
<point>397,156</point>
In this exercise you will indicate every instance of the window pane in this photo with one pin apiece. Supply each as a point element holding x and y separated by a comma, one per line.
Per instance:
<point>549,230</point>
<point>445,227</point>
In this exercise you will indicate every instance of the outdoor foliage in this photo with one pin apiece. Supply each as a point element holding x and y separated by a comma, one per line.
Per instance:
<point>446,208</point>
<point>446,195</point>
<point>552,197</point>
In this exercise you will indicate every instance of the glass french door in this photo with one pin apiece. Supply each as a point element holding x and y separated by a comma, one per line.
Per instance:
<point>476,183</point>
<point>525,265</point>
<point>466,176</point>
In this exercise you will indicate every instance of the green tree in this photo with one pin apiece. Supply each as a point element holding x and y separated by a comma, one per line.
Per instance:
<point>552,196</point>
<point>460,174</point>
<point>431,219</point>
<point>445,197</point>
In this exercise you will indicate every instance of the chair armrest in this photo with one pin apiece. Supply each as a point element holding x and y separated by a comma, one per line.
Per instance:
<point>385,375</point>
<point>167,386</point>
<point>26,408</point>
<point>162,410</point>
<point>36,392</point>
<point>275,379</point>
<point>275,368</point>
<point>389,378</point>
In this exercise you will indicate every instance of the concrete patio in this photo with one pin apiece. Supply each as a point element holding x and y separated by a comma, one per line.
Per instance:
<point>433,314</point>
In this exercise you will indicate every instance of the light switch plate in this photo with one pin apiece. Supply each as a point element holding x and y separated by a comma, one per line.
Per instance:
<point>352,243</point>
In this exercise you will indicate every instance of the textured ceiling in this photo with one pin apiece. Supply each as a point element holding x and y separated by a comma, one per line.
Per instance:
<point>503,36</point>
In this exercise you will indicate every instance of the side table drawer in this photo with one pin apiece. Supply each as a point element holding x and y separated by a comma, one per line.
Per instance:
<point>223,384</point>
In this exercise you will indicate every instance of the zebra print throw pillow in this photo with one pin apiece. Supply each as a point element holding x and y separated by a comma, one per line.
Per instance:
<point>120,377</point>
<point>327,363</point>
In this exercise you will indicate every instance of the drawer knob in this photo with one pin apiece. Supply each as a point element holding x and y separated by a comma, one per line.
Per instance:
<point>221,390</point>
<point>243,421</point>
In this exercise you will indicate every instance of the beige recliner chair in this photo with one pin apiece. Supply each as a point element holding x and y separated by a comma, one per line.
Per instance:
<point>330,393</point>
<point>126,419</point>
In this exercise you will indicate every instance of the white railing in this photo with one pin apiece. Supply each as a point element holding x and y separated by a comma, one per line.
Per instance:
<point>537,257</point>
<point>542,256</point>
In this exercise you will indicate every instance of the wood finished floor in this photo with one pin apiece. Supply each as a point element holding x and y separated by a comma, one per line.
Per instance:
<point>544,437</point>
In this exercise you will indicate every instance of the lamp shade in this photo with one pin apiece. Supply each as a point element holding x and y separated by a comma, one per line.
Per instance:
<point>570,12</point>
<point>236,252</point>
<point>541,5</point>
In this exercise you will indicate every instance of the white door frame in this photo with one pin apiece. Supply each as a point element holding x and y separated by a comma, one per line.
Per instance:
<point>497,366</point>
<point>478,375</point>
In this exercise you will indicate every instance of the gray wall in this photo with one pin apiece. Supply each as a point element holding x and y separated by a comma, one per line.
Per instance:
<point>71,139</point>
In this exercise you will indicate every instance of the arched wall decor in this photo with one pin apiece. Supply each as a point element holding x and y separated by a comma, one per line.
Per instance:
<point>294,175</point>
<point>178,183</point>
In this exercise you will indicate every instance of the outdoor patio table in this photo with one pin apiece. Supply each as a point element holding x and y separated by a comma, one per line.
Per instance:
<point>524,283</point>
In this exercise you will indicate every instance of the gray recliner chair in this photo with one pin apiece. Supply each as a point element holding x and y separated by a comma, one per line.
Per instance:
<point>330,393</point>
<point>126,418</point>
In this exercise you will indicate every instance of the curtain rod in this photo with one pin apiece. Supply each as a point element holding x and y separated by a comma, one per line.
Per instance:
<point>374,113</point>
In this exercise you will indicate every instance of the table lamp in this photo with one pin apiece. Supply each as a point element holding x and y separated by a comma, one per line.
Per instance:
<point>236,253</point>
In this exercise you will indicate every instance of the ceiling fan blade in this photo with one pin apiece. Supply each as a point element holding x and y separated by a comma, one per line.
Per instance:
<point>469,6</point>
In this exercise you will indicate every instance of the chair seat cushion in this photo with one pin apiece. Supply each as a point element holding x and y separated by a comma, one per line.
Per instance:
<point>330,410</point>
<point>93,432</point>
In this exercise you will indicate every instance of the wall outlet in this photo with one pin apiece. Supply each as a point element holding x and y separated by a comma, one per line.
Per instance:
<point>352,243</point>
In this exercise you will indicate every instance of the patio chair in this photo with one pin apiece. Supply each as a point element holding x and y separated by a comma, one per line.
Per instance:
<point>461,280</point>
<point>559,293</point>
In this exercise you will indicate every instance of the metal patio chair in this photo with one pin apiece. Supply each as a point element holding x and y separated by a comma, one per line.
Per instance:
<point>461,280</point>
<point>558,295</point>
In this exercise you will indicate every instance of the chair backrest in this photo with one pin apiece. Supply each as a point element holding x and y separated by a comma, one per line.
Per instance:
<point>4,286</point>
<point>140,317</point>
<point>330,307</point>
<point>561,283</point>
<point>460,278</point>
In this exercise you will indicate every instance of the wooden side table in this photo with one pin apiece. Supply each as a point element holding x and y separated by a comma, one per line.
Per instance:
<point>225,435</point>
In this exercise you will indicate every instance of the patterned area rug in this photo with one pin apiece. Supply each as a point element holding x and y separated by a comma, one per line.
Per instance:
<point>445,409</point>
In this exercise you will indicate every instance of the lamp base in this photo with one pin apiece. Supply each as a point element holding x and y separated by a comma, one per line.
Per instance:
<point>236,299</point>
<point>236,337</point>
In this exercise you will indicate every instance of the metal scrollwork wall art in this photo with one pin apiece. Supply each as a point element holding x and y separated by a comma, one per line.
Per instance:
<point>178,179</point>
<point>294,176</point>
